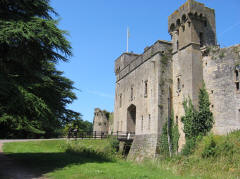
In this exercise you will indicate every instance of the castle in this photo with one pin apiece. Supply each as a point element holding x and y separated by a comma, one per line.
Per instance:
<point>177,70</point>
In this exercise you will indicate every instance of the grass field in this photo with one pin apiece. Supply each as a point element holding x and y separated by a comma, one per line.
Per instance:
<point>81,159</point>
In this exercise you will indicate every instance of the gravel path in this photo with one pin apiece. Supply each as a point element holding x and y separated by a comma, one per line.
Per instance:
<point>11,169</point>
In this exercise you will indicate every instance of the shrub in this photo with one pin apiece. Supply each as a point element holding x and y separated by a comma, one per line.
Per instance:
<point>189,146</point>
<point>210,148</point>
<point>196,123</point>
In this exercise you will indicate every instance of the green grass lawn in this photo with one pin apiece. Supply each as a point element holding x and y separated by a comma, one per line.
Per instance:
<point>54,160</point>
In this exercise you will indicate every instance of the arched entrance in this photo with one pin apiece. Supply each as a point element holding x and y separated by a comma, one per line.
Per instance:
<point>131,118</point>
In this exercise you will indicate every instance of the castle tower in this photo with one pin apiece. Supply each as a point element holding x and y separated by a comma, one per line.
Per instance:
<point>191,27</point>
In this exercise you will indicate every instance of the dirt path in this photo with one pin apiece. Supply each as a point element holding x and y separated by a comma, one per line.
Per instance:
<point>11,169</point>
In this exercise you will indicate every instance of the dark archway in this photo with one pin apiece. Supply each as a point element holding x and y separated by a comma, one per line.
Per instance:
<point>131,118</point>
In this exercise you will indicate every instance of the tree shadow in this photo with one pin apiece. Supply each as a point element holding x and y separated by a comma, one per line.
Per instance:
<point>42,163</point>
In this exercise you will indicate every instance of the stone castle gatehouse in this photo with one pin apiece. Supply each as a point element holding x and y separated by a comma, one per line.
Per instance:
<point>177,69</point>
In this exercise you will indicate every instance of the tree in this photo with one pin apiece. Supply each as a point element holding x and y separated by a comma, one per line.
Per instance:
<point>196,122</point>
<point>205,116</point>
<point>33,94</point>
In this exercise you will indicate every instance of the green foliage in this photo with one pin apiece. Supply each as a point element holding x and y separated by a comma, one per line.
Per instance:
<point>209,149</point>
<point>214,157</point>
<point>174,137</point>
<point>205,116</point>
<point>219,146</point>
<point>114,142</point>
<point>165,58</point>
<point>33,94</point>
<point>196,123</point>
<point>79,124</point>
<point>50,159</point>
<point>222,53</point>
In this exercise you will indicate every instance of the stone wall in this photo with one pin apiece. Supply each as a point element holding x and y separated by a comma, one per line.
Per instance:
<point>219,72</point>
<point>142,88</point>
<point>143,81</point>
<point>144,146</point>
<point>100,121</point>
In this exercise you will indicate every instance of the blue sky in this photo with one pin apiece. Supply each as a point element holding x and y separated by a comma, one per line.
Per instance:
<point>97,31</point>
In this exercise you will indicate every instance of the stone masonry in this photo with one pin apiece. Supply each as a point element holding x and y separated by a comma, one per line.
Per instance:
<point>177,70</point>
<point>101,121</point>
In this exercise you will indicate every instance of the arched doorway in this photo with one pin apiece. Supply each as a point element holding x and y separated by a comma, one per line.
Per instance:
<point>131,118</point>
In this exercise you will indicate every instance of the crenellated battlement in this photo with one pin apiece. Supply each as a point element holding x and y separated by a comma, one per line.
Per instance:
<point>128,62</point>
<point>190,10</point>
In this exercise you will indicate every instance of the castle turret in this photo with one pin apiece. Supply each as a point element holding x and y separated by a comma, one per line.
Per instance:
<point>192,27</point>
<point>192,23</point>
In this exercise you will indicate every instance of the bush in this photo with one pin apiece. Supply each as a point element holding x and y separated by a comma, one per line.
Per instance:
<point>219,146</point>
<point>196,123</point>
<point>114,142</point>
<point>189,146</point>
<point>210,148</point>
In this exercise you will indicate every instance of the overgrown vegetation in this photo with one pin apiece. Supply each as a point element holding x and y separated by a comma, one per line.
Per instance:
<point>197,123</point>
<point>33,94</point>
<point>214,157</point>
<point>174,137</point>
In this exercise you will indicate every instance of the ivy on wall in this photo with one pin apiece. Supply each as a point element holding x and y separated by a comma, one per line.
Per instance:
<point>197,123</point>
<point>174,137</point>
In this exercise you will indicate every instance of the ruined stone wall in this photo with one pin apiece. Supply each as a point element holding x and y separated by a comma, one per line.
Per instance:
<point>219,72</point>
<point>100,121</point>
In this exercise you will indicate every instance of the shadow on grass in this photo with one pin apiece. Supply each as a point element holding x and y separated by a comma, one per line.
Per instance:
<point>42,163</point>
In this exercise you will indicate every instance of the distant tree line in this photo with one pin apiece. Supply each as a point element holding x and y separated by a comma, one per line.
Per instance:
<point>33,94</point>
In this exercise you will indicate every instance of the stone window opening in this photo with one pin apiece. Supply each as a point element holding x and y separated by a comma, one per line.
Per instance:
<point>237,80</point>
<point>149,121</point>
<point>177,120</point>
<point>201,39</point>
<point>145,88</point>
<point>183,28</point>
<point>177,45</point>
<point>184,18</point>
<point>205,23</point>
<point>237,86</point>
<point>178,85</point>
<point>178,22</point>
<point>142,124</point>
<point>237,75</point>
<point>131,93</point>
<point>120,101</point>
